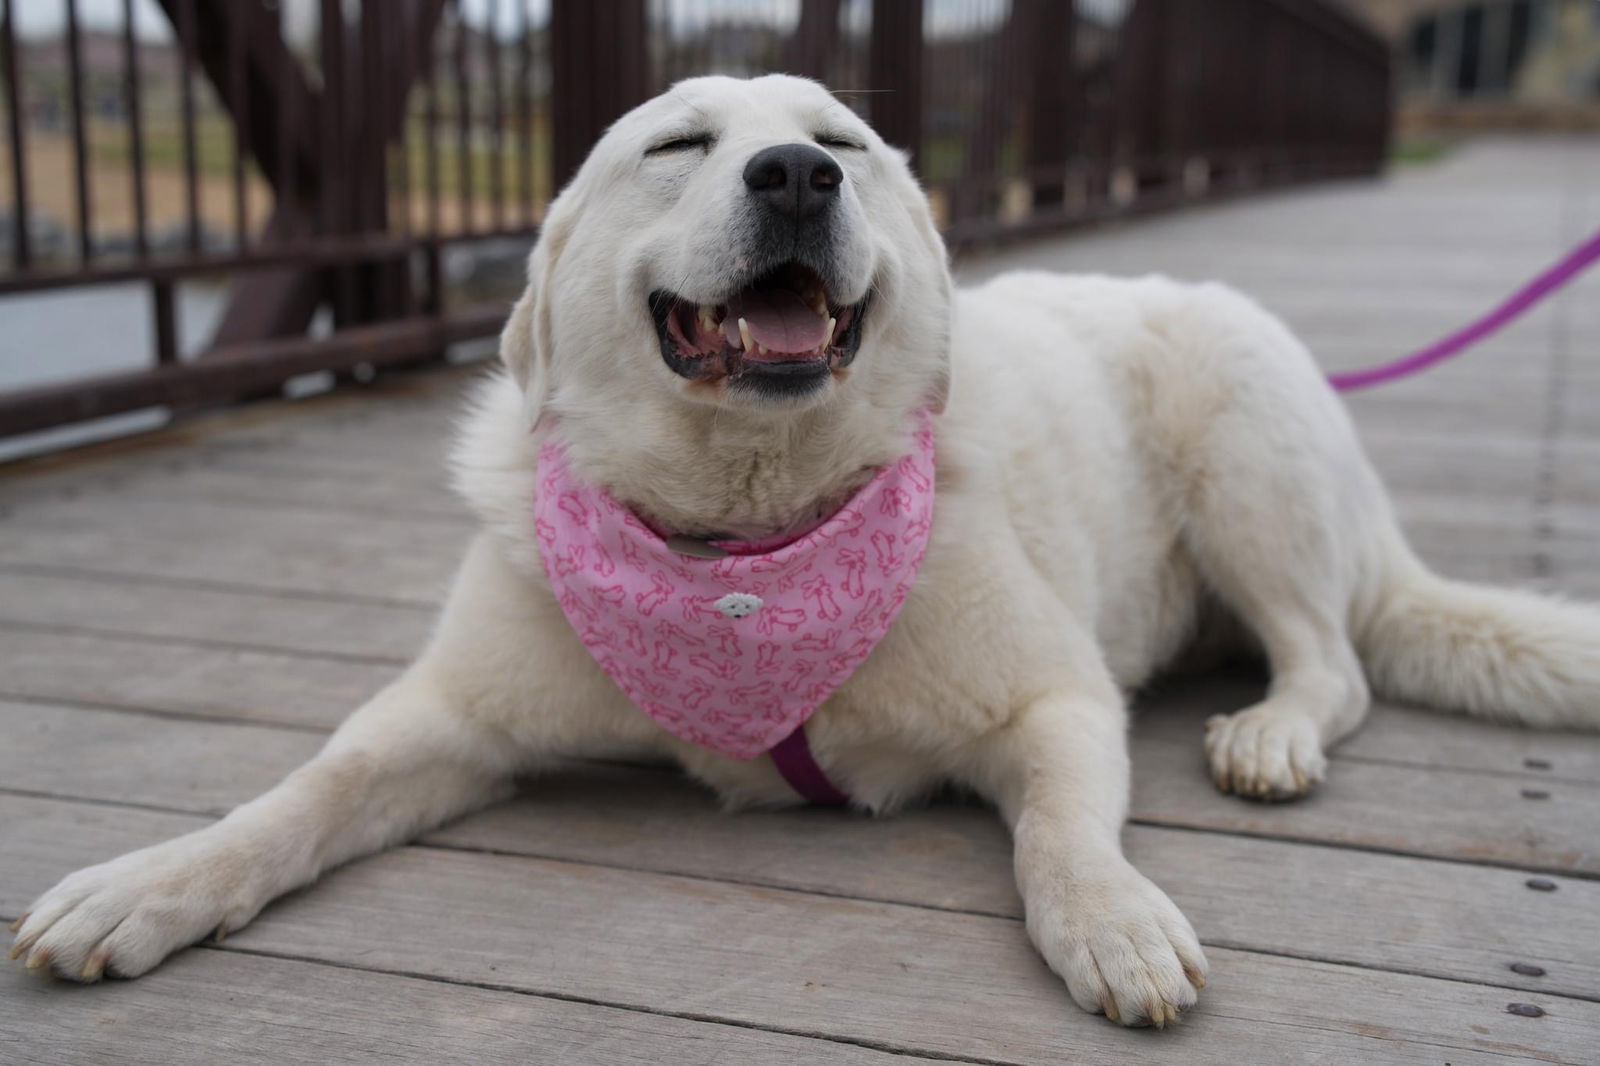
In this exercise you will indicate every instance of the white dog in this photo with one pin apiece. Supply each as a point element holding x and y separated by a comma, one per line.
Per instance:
<point>1122,466</point>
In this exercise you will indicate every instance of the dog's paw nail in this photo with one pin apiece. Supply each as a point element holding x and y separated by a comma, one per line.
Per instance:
<point>95,967</point>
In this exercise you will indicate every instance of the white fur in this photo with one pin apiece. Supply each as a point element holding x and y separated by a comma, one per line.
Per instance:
<point>1118,461</point>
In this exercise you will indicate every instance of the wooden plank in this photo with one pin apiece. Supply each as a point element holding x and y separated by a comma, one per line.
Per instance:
<point>1418,916</point>
<point>128,758</point>
<point>1440,813</point>
<point>404,420</point>
<point>244,1009</point>
<point>1427,738</point>
<point>372,555</point>
<point>878,973</point>
<point>314,488</point>
<point>1435,918</point>
<point>263,621</point>
<point>258,686</point>
<point>1498,468</point>
<point>46,838</point>
<point>924,981</point>
<point>1443,919</point>
<point>1393,734</point>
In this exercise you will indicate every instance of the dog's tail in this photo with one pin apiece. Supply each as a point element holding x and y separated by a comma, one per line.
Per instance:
<point>1492,653</point>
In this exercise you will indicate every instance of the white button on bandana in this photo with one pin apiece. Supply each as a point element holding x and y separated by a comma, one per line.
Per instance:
<point>738,604</point>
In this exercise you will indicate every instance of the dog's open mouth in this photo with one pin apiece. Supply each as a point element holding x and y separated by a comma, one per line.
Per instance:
<point>782,334</point>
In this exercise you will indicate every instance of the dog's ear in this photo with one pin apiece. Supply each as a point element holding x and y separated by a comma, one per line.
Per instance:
<point>524,355</point>
<point>939,395</point>
<point>921,212</point>
<point>526,341</point>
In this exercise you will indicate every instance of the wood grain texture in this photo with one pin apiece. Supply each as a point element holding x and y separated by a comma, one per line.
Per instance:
<point>263,686</point>
<point>242,1009</point>
<point>202,616</point>
<point>1439,812</point>
<point>368,555</point>
<point>1452,814</point>
<point>751,955</point>
<point>133,758</point>
<point>1442,919</point>
<point>865,971</point>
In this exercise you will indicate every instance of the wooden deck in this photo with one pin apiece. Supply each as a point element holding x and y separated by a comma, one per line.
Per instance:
<point>183,619</point>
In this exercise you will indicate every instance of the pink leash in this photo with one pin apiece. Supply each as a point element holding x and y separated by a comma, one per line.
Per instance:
<point>1573,264</point>
<point>792,756</point>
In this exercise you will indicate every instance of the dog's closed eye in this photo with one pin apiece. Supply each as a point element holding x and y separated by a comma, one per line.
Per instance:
<point>838,140</point>
<point>681,143</point>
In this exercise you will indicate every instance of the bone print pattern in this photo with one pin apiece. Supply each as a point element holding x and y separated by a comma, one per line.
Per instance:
<point>649,616</point>
<point>769,658</point>
<point>659,592</point>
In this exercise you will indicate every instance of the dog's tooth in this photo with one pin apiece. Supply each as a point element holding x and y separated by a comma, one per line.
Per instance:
<point>744,335</point>
<point>819,303</point>
<point>708,320</point>
<point>828,339</point>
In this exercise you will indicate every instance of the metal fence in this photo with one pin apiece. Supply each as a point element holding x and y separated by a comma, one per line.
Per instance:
<point>327,157</point>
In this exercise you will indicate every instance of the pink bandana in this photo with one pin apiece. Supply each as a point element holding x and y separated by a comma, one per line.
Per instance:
<point>734,653</point>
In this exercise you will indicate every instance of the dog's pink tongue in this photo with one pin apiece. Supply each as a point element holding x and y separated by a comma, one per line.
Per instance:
<point>778,319</point>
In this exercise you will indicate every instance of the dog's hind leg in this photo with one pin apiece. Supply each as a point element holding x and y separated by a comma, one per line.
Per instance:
<point>1285,521</point>
<point>1317,695</point>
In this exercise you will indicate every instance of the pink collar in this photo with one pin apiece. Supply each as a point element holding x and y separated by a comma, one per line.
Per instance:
<point>735,653</point>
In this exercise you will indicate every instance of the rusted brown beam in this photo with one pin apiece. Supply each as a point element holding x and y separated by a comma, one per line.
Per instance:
<point>164,312</point>
<point>191,156</point>
<point>274,85</point>
<point>239,94</point>
<point>80,141</point>
<point>895,63</point>
<point>587,100</point>
<point>131,101</point>
<point>814,41</point>
<point>464,169</point>
<point>273,101</point>
<point>21,238</point>
<point>1055,105</point>
<point>525,112</point>
<point>321,252</point>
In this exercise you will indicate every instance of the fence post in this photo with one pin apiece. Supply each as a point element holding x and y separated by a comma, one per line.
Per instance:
<point>599,68</point>
<point>895,59</point>
<point>1054,112</point>
<point>814,40</point>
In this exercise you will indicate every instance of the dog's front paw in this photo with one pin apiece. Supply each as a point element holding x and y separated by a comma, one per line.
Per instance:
<point>1266,752</point>
<point>124,916</point>
<point>1122,947</point>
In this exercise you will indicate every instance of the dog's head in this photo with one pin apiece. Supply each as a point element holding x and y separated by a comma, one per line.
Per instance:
<point>749,251</point>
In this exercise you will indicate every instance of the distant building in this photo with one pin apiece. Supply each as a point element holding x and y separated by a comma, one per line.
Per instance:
<point>1505,63</point>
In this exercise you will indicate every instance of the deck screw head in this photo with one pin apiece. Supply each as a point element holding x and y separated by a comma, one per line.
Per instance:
<point>1535,794</point>
<point>1526,1010</point>
<point>1541,884</point>
<point>1527,969</point>
<point>1536,764</point>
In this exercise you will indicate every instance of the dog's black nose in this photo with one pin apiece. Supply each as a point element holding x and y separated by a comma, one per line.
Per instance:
<point>795,180</point>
